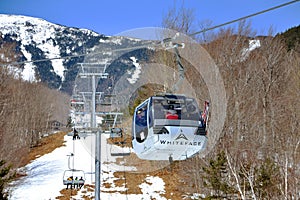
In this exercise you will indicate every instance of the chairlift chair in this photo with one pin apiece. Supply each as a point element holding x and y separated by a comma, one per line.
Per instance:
<point>69,177</point>
<point>106,100</point>
<point>118,133</point>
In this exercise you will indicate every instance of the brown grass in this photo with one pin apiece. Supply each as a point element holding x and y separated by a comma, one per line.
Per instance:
<point>47,145</point>
<point>67,194</point>
<point>170,175</point>
<point>124,141</point>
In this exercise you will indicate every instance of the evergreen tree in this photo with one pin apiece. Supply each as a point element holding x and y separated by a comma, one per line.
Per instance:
<point>5,177</point>
<point>267,179</point>
<point>291,37</point>
<point>216,177</point>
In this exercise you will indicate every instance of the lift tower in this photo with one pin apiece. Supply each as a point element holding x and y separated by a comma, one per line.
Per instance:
<point>93,72</point>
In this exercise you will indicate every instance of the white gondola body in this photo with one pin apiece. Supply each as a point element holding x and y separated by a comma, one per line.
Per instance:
<point>161,139</point>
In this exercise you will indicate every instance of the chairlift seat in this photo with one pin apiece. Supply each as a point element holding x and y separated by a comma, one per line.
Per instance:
<point>115,135</point>
<point>109,95</point>
<point>73,182</point>
<point>105,104</point>
<point>116,130</point>
<point>111,121</point>
<point>73,173</point>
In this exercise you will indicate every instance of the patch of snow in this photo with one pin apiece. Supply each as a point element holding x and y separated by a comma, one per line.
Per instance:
<point>253,44</point>
<point>115,40</point>
<point>193,196</point>
<point>44,177</point>
<point>134,39</point>
<point>84,30</point>
<point>137,71</point>
<point>28,73</point>
<point>154,186</point>
<point>40,31</point>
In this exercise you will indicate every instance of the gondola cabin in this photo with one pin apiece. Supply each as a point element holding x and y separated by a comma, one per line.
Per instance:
<point>168,127</point>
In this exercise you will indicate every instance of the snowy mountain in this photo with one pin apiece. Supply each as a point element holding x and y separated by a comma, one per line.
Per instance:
<point>38,40</point>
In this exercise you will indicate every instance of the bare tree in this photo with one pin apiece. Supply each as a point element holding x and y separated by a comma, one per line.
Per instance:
<point>181,19</point>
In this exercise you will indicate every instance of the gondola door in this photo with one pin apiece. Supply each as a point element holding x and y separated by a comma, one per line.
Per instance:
<point>141,122</point>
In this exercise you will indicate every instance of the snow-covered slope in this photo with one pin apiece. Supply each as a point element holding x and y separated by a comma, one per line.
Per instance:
<point>34,31</point>
<point>45,174</point>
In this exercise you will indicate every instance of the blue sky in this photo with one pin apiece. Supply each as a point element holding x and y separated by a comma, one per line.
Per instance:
<point>112,17</point>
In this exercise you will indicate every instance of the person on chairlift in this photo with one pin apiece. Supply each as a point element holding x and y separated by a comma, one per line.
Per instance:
<point>70,179</point>
<point>76,183</point>
<point>75,134</point>
<point>81,182</point>
<point>141,118</point>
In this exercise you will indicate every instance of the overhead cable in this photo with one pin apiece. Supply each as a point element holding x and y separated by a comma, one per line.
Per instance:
<point>243,18</point>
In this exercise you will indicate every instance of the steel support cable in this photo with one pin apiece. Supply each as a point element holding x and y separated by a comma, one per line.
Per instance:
<point>245,17</point>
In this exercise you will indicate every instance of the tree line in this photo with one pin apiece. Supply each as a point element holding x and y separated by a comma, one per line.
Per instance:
<point>26,112</point>
<point>257,155</point>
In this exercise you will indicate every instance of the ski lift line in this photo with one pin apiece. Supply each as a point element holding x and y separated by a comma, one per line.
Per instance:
<point>151,42</point>
<point>245,17</point>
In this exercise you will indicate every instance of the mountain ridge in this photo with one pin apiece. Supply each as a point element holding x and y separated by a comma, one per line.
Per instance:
<point>46,42</point>
<point>39,40</point>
